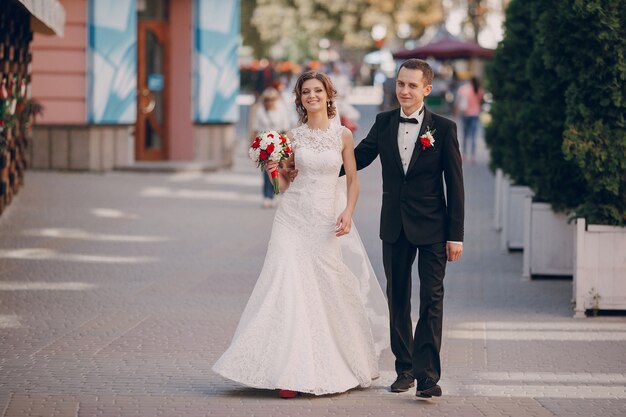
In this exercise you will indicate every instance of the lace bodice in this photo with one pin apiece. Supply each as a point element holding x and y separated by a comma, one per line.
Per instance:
<point>318,159</point>
<point>316,139</point>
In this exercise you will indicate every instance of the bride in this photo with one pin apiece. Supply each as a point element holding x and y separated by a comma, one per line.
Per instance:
<point>317,319</point>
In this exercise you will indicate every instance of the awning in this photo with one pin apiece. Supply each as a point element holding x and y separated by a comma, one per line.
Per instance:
<point>46,16</point>
<point>446,48</point>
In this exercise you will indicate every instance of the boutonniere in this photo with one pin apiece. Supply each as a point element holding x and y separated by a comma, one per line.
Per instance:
<point>427,139</point>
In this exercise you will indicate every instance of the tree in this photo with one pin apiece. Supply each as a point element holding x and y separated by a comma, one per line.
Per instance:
<point>476,17</point>
<point>476,12</point>
<point>586,45</point>
<point>295,27</point>
<point>558,79</point>
<point>547,172</point>
<point>511,89</point>
<point>249,33</point>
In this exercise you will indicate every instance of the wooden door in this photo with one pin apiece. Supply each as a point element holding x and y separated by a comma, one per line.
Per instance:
<point>151,134</point>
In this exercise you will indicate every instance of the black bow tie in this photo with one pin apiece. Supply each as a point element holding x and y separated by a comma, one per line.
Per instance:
<point>411,120</point>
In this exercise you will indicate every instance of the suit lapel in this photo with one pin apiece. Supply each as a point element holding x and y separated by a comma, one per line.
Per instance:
<point>392,133</point>
<point>426,123</point>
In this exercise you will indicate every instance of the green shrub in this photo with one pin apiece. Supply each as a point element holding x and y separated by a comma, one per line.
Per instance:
<point>585,44</point>
<point>507,81</point>
<point>559,82</point>
<point>552,177</point>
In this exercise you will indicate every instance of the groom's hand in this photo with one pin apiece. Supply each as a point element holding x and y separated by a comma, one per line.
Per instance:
<point>454,251</point>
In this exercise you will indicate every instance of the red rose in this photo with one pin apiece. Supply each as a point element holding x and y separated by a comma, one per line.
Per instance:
<point>270,135</point>
<point>270,148</point>
<point>425,142</point>
<point>256,143</point>
<point>263,156</point>
<point>282,140</point>
<point>287,150</point>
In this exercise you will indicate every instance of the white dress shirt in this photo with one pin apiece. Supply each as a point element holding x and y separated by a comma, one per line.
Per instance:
<point>407,137</point>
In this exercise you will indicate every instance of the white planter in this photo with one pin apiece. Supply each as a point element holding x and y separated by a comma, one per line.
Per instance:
<point>599,267</point>
<point>548,241</point>
<point>512,237</point>
<point>498,201</point>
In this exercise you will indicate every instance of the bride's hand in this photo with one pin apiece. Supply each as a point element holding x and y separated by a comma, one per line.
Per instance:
<point>344,223</point>
<point>271,166</point>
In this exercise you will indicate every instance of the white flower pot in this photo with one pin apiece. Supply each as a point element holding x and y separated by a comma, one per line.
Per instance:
<point>548,241</point>
<point>599,268</point>
<point>499,199</point>
<point>512,237</point>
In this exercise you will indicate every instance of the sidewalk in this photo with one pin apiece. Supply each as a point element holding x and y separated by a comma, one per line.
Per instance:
<point>119,291</point>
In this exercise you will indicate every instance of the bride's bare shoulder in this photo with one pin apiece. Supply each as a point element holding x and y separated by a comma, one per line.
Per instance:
<point>346,137</point>
<point>291,133</point>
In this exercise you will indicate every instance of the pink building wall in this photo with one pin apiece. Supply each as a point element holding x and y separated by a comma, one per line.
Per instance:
<point>59,69</point>
<point>180,122</point>
<point>59,74</point>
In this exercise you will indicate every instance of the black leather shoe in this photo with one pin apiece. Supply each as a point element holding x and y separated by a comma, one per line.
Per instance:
<point>428,389</point>
<point>403,382</point>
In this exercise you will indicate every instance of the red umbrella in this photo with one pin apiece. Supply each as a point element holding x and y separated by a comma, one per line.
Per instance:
<point>447,48</point>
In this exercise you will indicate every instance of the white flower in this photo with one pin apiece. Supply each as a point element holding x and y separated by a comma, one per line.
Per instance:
<point>275,156</point>
<point>254,154</point>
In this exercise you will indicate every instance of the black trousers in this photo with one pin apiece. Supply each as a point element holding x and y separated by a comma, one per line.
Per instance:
<point>418,354</point>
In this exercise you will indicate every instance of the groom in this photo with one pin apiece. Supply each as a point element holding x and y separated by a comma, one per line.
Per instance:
<point>418,150</point>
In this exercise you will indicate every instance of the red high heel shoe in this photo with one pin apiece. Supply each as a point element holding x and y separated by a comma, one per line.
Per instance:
<point>285,393</point>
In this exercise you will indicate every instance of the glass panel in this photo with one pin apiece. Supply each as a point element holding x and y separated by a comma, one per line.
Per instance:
<point>152,9</point>
<point>154,68</point>
<point>153,139</point>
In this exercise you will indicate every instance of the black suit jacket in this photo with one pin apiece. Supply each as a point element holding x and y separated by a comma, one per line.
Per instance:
<point>416,201</point>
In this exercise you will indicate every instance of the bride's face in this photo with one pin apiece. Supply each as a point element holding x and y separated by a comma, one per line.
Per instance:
<point>314,96</point>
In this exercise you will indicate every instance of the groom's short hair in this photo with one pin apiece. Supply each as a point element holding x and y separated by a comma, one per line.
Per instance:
<point>418,64</point>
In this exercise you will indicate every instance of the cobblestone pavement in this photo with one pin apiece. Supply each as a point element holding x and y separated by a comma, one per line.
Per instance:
<point>118,291</point>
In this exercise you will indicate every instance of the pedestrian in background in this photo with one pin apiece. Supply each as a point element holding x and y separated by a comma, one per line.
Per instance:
<point>347,114</point>
<point>469,99</point>
<point>270,116</point>
<point>286,100</point>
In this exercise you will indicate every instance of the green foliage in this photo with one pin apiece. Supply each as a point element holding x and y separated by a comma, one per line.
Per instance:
<point>17,112</point>
<point>586,45</point>
<point>292,29</point>
<point>249,33</point>
<point>559,85</point>
<point>511,89</point>
<point>548,173</point>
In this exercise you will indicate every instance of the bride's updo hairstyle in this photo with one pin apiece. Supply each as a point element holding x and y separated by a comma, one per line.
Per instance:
<point>330,92</point>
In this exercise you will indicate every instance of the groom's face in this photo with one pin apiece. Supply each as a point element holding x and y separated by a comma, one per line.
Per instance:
<point>411,89</point>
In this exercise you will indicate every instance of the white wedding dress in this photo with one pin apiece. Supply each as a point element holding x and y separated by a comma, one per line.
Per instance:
<point>317,319</point>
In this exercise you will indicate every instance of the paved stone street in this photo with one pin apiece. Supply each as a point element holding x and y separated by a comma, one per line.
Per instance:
<point>118,292</point>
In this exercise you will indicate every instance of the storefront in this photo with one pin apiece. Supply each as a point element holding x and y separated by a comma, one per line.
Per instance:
<point>18,21</point>
<point>135,81</point>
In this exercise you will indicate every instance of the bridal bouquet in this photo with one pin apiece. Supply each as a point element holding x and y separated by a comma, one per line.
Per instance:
<point>270,146</point>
